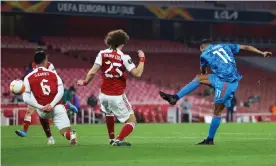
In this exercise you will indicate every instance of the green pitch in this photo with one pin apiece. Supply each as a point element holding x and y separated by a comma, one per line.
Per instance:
<point>153,145</point>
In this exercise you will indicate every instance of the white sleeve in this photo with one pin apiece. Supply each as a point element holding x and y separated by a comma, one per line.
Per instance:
<point>128,62</point>
<point>99,59</point>
<point>59,94</point>
<point>59,81</point>
<point>27,85</point>
<point>52,68</point>
<point>27,96</point>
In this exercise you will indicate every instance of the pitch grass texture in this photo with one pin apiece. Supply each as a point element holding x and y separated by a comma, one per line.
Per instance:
<point>153,145</point>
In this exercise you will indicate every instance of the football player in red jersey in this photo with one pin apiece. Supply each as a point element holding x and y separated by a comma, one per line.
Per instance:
<point>31,110</point>
<point>114,64</point>
<point>43,91</point>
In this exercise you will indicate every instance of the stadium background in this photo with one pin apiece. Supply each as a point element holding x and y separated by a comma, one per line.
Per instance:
<point>168,32</point>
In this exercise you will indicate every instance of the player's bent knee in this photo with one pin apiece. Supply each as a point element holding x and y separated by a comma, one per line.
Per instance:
<point>131,119</point>
<point>217,112</point>
<point>109,114</point>
<point>218,109</point>
<point>202,78</point>
<point>63,130</point>
<point>30,111</point>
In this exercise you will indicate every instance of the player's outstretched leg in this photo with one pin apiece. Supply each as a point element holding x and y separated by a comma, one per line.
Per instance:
<point>46,127</point>
<point>27,122</point>
<point>71,107</point>
<point>110,123</point>
<point>172,99</point>
<point>62,122</point>
<point>214,125</point>
<point>126,130</point>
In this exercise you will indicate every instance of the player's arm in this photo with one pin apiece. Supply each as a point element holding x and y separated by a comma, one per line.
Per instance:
<point>90,75</point>
<point>92,72</point>
<point>59,93</point>
<point>138,71</point>
<point>27,95</point>
<point>255,50</point>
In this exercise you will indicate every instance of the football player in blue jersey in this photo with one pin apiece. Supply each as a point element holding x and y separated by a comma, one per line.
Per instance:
<point>225,80</point>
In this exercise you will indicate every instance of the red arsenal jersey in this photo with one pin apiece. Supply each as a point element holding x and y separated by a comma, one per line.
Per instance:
<point>114,64</point>
<point>43,84</point>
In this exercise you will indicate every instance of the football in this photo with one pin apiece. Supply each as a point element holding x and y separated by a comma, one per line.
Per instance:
<point>17,87</point>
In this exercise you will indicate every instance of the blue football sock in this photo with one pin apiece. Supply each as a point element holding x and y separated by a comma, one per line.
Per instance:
<point>214,126</point>
<point>188,88</point>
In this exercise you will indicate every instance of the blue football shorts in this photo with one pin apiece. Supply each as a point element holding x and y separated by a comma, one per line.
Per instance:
<point>224,91</point>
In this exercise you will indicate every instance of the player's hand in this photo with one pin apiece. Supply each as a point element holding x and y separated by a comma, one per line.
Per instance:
<point>81,82</point>
<point>141,54</point>
<point>267,54</point>
<point>47,108</point>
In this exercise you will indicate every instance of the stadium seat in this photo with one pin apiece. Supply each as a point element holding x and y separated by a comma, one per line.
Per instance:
<point>95,44</point>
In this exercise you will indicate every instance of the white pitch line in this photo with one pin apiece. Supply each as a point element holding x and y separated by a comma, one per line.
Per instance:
<point>227,134</point>
<point>166,137</point>
<point>248,133</point>
<point>230,138</point>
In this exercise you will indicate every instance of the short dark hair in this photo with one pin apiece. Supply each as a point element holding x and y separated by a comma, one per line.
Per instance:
<point>40,56</point>
<point>206,41</point>
<point>116,38</point>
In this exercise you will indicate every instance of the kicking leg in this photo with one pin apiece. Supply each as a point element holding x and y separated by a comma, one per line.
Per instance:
<point>121,108</point>
<point>27,122</point>
<point>125,114</point>
<point>194,84</point>
<point>126,130</point>
<point>62,122</point>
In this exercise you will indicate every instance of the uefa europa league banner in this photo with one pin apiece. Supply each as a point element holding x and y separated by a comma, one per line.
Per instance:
<point>138,11</point>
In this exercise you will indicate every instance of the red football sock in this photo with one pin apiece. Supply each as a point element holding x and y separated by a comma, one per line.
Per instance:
<point>110,122</point>
<point>67,134</point>
<point>126,130</point>
<point>27,123</point>
<point>46,127</point>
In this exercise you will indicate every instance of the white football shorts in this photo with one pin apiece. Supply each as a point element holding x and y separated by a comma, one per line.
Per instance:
<point>59,116</point>
<point>118,105</point>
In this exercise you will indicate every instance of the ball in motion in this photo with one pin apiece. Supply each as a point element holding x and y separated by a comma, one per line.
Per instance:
<point>17,87</point>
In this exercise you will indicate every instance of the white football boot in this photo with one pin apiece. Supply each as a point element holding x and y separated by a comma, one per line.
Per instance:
<point>51,141</point>
<point>73,138</point>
